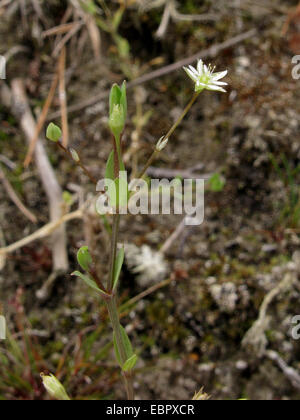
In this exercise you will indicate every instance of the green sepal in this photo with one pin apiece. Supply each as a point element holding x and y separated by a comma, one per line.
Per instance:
<point>123,99</point>
<point>114,97</point>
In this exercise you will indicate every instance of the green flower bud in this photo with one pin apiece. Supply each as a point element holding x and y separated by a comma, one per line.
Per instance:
<point>54,388</point>
<point>117,120</point>
<point>161,144</point>
<point>84,258</point>
<point>117,109</point>
<point>74,155</point>
<point>53,132</point>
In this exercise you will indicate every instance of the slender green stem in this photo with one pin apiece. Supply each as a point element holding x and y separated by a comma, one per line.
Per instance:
<point>78,163</point>
<point>113,253</point>
<point>113,308</point>
<point>168,135</point>
<point>148,164</point>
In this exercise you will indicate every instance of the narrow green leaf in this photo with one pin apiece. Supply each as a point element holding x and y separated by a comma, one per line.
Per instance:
<point>84,258</point>
<point>90,282</point>
<point>117,353</point>
<point>130,363</point>
<point>118,267</point>
<point>110,167</point>
<point>102,24</point>
<point>117,18</point>
<point>53,132</point>
<point>127,346</point>
<point>118,193</point>
<point>123,46</point>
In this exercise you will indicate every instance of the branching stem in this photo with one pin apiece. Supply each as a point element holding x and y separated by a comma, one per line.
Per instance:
<point>168,135</point>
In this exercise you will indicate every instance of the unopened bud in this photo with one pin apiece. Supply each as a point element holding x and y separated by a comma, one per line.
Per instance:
<point>117,120</point>
<point>84,258</point>
<point>161,144</point>
<point>74,154</point>
<point>53,132</point>
<point>117,109</point>
<point>54,388</point>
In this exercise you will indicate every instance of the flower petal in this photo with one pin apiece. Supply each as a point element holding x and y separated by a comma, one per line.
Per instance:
<point>220,83</point>
<point>200,67</point>
<point>214,87</point>
<point>193,70</point>
<point>191,74</point>
<point>218,76</point>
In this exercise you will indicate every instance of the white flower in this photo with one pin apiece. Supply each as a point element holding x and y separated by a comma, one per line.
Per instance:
<point>205,78</point>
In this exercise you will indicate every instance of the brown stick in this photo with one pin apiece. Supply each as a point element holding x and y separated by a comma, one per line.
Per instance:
<point>43,232</point>
<point>63,97</point>
<point>21,109</point>
<point>61,29</point>
<point>41,121</point>
<point>66,39</point>
<point>13,196</point>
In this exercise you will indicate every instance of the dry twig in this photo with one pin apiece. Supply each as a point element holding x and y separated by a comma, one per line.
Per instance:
<point>63,98</point>
<point>13,196</point>
<point>171,12</point>
<point>42,233</point>
<point>41,121</point>
<point>66,39</point>
<point>291,373</point>
<point>21,109</point>
<point>60,29</point>
<point>256,338</point>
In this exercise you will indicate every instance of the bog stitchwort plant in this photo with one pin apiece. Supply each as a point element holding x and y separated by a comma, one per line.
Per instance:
<point>119,197</point>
